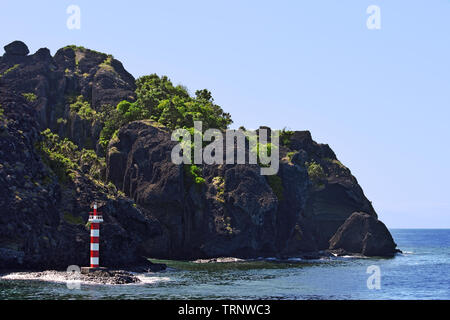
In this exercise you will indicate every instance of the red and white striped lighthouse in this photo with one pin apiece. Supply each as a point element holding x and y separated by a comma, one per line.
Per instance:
<point>95,219</point>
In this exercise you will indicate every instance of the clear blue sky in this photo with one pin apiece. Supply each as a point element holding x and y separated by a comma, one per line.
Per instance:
<point>380,98</point>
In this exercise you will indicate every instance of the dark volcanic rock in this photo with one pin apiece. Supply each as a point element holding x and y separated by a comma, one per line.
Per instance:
<point>236,212</point>
<point>110,277</point>
<point>16,48</point>
<point>364,234</point>
<point>197,221</point>
<point>144,265</point>
<point>42,221</point>
<point>73,71</point>
<point>106,276</point>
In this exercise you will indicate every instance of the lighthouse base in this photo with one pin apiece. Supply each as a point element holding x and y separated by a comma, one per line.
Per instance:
<point>88,270</point>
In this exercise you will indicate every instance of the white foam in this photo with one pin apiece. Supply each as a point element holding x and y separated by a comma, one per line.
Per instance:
<point>295,259</point>
<point>63,277</point>
<point>271,259</point>
<point>145,279</point>
<point>48,276</point>
<point>353,257</point>
<point>219,260</point>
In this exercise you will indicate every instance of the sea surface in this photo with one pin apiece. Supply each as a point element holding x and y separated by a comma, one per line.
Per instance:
<point>421,272</point>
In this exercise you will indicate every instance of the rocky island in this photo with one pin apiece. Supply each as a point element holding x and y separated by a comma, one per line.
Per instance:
<point>76,128</point>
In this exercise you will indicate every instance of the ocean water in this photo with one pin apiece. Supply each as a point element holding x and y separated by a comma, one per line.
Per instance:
<point>421,272</point>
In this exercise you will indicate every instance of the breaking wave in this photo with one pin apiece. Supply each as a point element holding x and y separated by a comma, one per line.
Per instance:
<point>64,277</point>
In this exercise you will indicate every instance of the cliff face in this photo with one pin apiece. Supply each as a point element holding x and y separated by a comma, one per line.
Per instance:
<point>43,220</point>
<point>236,212</point>
<point>56,81</point>
<point>161,212</point>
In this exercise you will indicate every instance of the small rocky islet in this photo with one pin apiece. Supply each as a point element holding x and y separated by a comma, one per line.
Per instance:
<point>58,156</point>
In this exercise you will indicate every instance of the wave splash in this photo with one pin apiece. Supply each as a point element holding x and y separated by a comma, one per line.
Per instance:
<point>64,277</point>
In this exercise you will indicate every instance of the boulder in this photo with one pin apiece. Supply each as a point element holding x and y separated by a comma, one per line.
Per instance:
<point>16,48</point>
<point>363,234</point>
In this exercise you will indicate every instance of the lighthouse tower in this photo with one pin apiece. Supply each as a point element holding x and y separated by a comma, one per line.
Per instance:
<point>95,219</point>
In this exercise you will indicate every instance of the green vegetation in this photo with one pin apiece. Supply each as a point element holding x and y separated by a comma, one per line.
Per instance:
<point>267,147</point>
<point>63,157</point>
<point>224,223</point>
<point>285,137</point>
<point>60,165</point>
<point>219,183</point>
<point>106,64</point>
<point>276,185</point>
<point>193,175</point>
<point>291,155</point>
<point>83,109</point>
<point>152,89</point>
<point>56,154</point>
<point>71,219</point>
<point>336,162</point>
<point>172,106</point>
<point>81,49</point>
<point>228,227</point>
<point>316,173</point>
<point>108,59</point>
<point>79,54</point>
<point>113,120</point>
<point>3,123</point>
<point>157,99</point>
<point>9,70</point>
<point>94,165</point>
<point>31,97</point>
<point>131,112</point>
<point>74,47</point>
<point>61,121</point>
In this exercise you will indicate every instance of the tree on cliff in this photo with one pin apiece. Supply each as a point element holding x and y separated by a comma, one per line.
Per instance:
<point>175,108</point>
<point>158,99</point>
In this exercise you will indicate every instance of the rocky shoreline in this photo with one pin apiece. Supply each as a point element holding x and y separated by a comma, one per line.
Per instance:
<point>320,255</point>
<point>109,277</point>
<point>106,276</point>
<point>94,275</point>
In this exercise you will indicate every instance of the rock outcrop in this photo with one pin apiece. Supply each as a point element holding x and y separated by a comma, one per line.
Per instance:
<point>237,212</point>
<point>54,83</point>
<point>152,207</point>
<point>16,48</point>
<point>363,234</point>
<point>42,221</point>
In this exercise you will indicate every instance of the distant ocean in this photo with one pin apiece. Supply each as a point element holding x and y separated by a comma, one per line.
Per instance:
<point>421,272</point>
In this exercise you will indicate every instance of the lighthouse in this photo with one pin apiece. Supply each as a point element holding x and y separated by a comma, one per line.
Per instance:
<point>95,219</point>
